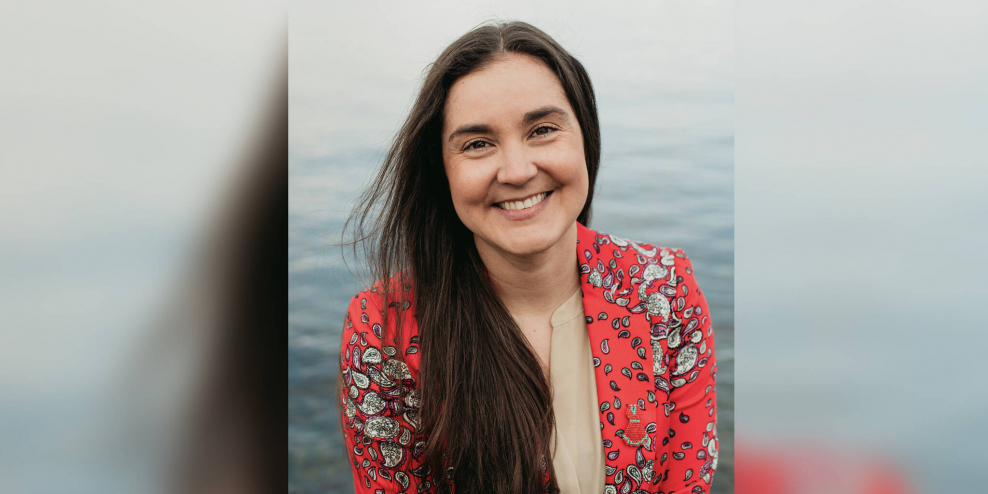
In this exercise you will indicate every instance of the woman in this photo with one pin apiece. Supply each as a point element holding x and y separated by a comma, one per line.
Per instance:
<point>508,347</point>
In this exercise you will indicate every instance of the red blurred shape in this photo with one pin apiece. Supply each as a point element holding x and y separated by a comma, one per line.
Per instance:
<point>786,469</point>
<point>758,471</point>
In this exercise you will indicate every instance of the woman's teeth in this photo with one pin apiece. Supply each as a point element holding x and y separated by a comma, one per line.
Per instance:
<point>527,203</point>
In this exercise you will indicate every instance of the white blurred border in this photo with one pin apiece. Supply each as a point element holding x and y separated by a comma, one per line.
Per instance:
<point>123,127</point>
<point>861,200</point>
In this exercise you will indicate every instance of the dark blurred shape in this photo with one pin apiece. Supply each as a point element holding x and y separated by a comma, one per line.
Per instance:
<point>134,136</point>
<point>792,468</point>
<point>235,435</point>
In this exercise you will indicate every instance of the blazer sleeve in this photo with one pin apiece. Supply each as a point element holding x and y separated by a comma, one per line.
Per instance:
<point>693,372</point>
<point>379,405</point>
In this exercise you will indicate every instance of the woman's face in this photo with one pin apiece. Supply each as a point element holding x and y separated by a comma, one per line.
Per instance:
<point>513,153</point>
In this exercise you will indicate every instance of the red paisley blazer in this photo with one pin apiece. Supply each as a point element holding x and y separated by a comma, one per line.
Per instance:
<point>653,352</point>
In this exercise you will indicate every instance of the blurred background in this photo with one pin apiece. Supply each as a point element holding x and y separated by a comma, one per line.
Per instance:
<point>130,139</point>
<point>662,73</point>
<point>861,198</point>
<point>131,136</point>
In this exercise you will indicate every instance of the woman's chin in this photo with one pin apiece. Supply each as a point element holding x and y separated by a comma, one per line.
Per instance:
<point>522,239</point>
<point>519,244</point>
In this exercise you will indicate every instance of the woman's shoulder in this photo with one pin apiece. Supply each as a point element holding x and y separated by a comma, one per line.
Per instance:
<point>385,291</point>
<point>644,252</point>
<point>644,259</point>
<point>643,277</point>
<point>372,318</point>
<point>621,247</point>
<point>391,295</point>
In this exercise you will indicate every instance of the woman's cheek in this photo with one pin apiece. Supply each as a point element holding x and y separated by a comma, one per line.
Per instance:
<point>572,169</point>
<point>565,157</point>
<point>467,189</point>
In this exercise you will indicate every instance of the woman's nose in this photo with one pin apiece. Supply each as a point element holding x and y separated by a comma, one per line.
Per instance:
<point>517,166</point>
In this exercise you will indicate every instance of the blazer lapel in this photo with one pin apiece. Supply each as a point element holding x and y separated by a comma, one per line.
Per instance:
<point>619,329</point>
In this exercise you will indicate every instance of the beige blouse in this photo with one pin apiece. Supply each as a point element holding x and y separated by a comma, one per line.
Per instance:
<point>578,454</point>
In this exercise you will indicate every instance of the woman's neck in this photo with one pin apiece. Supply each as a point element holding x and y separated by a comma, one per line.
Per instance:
<point>534,284</point>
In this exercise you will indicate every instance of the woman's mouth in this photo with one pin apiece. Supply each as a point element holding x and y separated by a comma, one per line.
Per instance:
<point>523,203</point>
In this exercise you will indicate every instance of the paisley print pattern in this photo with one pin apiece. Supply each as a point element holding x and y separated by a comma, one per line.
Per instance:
<point>669,327</point>
<point>381,400</point>
<point>654,362</point>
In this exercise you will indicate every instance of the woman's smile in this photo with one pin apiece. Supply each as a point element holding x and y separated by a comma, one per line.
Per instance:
<point>523,203</point>
<point>525,208</point>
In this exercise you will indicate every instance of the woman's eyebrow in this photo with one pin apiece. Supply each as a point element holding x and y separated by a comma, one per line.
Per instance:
<point>541,113</point>
<point>529,118</point>
<point>470,129</point>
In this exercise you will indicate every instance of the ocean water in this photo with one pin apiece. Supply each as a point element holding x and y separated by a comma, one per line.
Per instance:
<point>666,176</point>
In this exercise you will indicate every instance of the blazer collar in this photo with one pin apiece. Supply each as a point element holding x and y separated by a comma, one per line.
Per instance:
<point>618,325</point>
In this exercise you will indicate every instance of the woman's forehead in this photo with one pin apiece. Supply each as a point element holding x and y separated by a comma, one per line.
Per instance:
<point>507,88</point>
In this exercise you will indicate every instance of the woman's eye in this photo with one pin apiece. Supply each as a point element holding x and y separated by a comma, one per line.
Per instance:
<point>476,145</point>
<point>543,130</point>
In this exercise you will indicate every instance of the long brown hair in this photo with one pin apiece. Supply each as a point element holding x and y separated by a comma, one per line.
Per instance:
<point>485,410</point>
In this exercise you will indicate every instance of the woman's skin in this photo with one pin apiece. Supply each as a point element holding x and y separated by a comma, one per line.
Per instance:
<point>510,133</point>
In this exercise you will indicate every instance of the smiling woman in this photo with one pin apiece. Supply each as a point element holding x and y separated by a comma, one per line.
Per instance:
<point>507,347</point>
